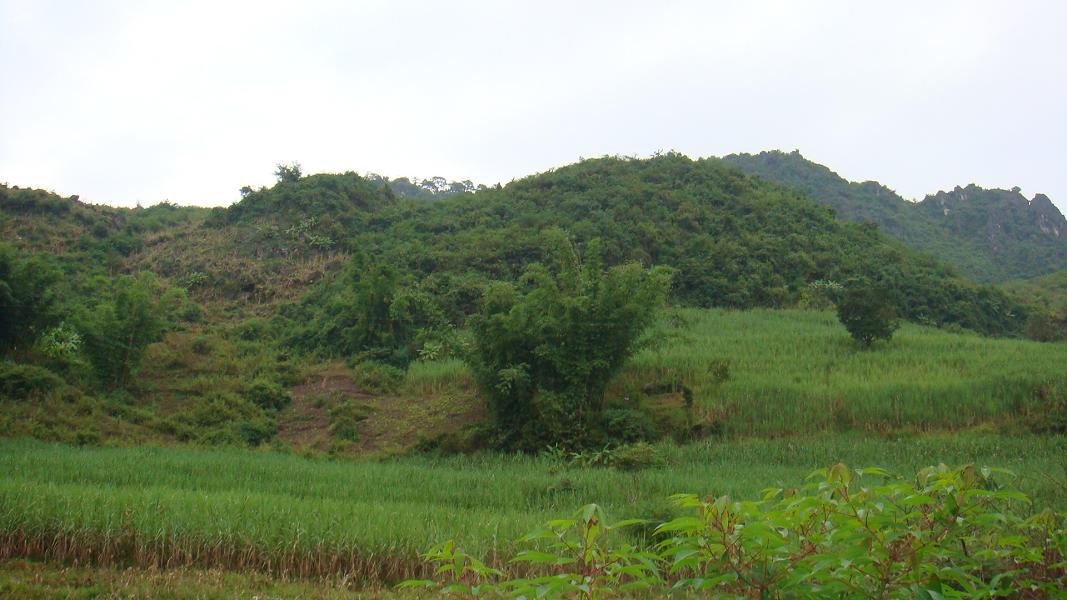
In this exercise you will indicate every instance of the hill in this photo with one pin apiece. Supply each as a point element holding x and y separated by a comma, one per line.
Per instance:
<point>205,326</point>
<point>988,235</point>
<point>734,240</point>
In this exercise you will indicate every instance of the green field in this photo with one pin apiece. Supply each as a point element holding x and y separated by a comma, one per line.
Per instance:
<point>800,395</point>
<point>793,371</point>
<point>287,515</point>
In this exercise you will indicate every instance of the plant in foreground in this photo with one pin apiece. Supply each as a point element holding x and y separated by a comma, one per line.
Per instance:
<point>947,533</point>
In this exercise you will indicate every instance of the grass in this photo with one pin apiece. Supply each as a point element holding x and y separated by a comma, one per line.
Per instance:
<point>793,371</point>
<point>20,578</point>
<point>797,371</point>
<point>293,517</point>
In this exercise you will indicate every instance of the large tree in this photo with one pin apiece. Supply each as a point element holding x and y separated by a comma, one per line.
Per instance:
<point>546,349</point>
<point>26,299</point>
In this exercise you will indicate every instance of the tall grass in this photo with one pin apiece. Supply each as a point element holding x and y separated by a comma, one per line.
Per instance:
<point>794,371</point>
<point>799,371</point>
<point>293,517</point>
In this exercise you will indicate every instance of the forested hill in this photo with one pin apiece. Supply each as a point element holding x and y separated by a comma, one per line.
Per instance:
<point>988,235</point>
<point>734,240</point>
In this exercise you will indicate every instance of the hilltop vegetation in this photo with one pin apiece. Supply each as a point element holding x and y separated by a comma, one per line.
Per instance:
<point>988,235</point>
<point>733,241</point>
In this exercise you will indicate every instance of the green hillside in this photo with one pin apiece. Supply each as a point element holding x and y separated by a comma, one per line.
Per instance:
<point>733,240</point>
<point>202,325</point>
<point>987,235</point>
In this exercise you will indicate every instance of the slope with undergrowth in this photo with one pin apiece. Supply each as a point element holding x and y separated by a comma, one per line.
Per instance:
<point>220,375</point>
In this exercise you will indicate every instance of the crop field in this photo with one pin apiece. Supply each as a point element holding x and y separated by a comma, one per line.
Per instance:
<point>792,371</point>
<point>294,517</point>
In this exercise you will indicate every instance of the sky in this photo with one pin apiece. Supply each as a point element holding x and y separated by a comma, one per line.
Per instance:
<point>143,101</point>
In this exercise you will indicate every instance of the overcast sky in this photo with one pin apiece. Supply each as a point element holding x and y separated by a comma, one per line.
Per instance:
<point>122,102</point>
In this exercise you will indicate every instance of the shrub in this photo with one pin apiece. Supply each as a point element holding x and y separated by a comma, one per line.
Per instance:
<point>635,457</point>
<point>256,431</point>
<point>202,345</point>
<point>222,419</point>
<point>821,295</point>
<point>267,395</point>
<point>345,419</point>
<point>87,437</point>
<point>19,382</point>
<point>377,378</point>
<point>253,330</point>
<point>628,425</point>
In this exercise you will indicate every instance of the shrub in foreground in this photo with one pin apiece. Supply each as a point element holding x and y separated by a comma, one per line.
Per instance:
<point>863,533</point>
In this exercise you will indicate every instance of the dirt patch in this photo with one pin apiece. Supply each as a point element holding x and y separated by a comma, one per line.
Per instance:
<point>393,423</point>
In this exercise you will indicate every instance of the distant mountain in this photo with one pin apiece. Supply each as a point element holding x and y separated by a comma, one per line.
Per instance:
<point>988,235</point>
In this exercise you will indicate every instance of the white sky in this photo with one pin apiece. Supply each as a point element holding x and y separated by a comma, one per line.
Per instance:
<point>122,102</point>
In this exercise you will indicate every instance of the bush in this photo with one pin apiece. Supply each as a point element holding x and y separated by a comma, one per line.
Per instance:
<point>267,395</point>
<point>636,457</point>
<point>19,382</point>
<point>628,425</point>
<point>202,345</point>
<point>253,330</point>
<point>345,419</point>
<point>222,419</point>
<point>946,533</point>
<point>867,313</point>
<point>377,378</point>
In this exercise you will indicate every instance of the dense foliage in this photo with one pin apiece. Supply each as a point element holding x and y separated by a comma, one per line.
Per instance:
<point>947,533</point>
<point>118,329</point>
<point>544,352</point>
<point>734,241</point>
<point>26,299</point>
<point>372,311</point>
<point>988,235</point>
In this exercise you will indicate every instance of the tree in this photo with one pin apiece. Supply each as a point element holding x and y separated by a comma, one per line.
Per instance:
<point>288,173</point>
<point>867,313</point>
<point>26,299</point>
<point>545,351</point>
<point>117,331</point>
